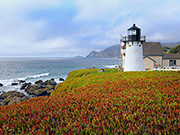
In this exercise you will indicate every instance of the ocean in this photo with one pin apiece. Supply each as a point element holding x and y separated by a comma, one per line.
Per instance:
<point>33,69</point>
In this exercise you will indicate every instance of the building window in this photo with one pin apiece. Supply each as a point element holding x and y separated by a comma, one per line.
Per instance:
<point>132,32</point>
<point>172,62</point>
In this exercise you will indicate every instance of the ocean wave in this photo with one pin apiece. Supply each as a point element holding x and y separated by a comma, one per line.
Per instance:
<point>34,76</point>
<point>10,81</point>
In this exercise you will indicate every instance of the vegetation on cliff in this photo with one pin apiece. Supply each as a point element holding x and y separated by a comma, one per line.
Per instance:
<point>166,49</point>
<point>92,102</point>
<point>175,50</point>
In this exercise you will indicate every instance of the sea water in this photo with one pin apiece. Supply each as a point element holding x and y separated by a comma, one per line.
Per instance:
<point>33,69</point>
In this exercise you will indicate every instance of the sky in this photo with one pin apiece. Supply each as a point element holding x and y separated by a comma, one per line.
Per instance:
<point>67,28</point>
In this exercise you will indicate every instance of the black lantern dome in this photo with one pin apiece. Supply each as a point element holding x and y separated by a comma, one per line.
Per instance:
<point>134,33</point>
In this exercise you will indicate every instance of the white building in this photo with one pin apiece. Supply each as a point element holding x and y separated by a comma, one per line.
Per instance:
<point>131,50</point>
<point>154,57</point>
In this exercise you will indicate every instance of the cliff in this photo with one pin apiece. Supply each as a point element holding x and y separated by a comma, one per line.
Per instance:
<point>170,45</point>
<point>110,52</point>
<point>114,51</point>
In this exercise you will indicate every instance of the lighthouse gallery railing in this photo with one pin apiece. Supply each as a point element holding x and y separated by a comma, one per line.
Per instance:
<point>125,38</point>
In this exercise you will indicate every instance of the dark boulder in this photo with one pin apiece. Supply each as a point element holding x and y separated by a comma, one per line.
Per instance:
<point>15,100</point>
<point>21,81</point>
<point>61,79</point>
<point>41,89</point>
<point>50,86</point>
<point>49,92</point>
<point>53,83</point>
<point>39,81</point>
<point>31,89</point>
<point>1,84</point>
<point>12,100</point>
<point>2,103</point>
<point>40,92</point>
<point>11,94</point>
<point>14,84</point>
<point>25,98</point>
<point>49,82</point>
<point>43,92</point>
<point>25,85</point>
<point>52,79</point>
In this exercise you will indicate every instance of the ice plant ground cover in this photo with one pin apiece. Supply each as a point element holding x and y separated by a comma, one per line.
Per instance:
<point>89,102</point>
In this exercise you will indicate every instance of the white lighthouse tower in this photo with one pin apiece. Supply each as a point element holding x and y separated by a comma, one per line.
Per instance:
<point>131,50</point>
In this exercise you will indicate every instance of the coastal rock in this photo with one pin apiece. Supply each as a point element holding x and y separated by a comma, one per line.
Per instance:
<point>52,79</point>
<point>21,81</point>
<point>12,100</point>
<point>50,86</point>
<point>11,94</point>
<point>14,84</point>
<point>31,89</point>
<point>12,97</point>
<point>61,79</point>
<point>2,103</point>
<point>1,84</point>
<point>43,92</point>
<point>15,100</point>
<point>25,85</point>
<point>39,81</point>
<point>49,92</point>
<point>40,92</point>
<point>49,82</point>
<point>25,98</point>
<point>41,88</point>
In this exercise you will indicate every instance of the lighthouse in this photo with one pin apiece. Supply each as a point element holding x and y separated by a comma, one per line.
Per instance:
<point>131,50</point>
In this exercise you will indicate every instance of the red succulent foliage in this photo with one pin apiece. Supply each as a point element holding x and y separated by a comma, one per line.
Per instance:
<point>101,103</point>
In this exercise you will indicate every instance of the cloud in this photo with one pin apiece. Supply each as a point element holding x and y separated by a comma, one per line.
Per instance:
<point>158,37</point>
<point>26,5</point>
<point>96,10</point>
<point>55,43</point>
<point>68,27</point>
<point>101,42</point>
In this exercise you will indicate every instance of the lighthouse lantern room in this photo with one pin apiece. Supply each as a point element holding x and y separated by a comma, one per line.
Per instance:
<point>131,50</point>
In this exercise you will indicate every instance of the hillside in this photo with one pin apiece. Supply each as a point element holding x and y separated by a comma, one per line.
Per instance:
<point>170,44</point>
<point>110,52</point>
<point>175,50</point>
<point>93,102</point>
<point>114,51</point>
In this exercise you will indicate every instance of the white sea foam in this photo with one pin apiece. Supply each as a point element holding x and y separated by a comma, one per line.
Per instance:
<point>13,88</point>
<point>111,66</point>
<point>10,81</point>
<point>34,76</point>
<point>8,87</point>
<point>7,82</point>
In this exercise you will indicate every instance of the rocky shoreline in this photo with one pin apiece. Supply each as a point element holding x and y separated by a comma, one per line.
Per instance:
<point>39,88</point>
